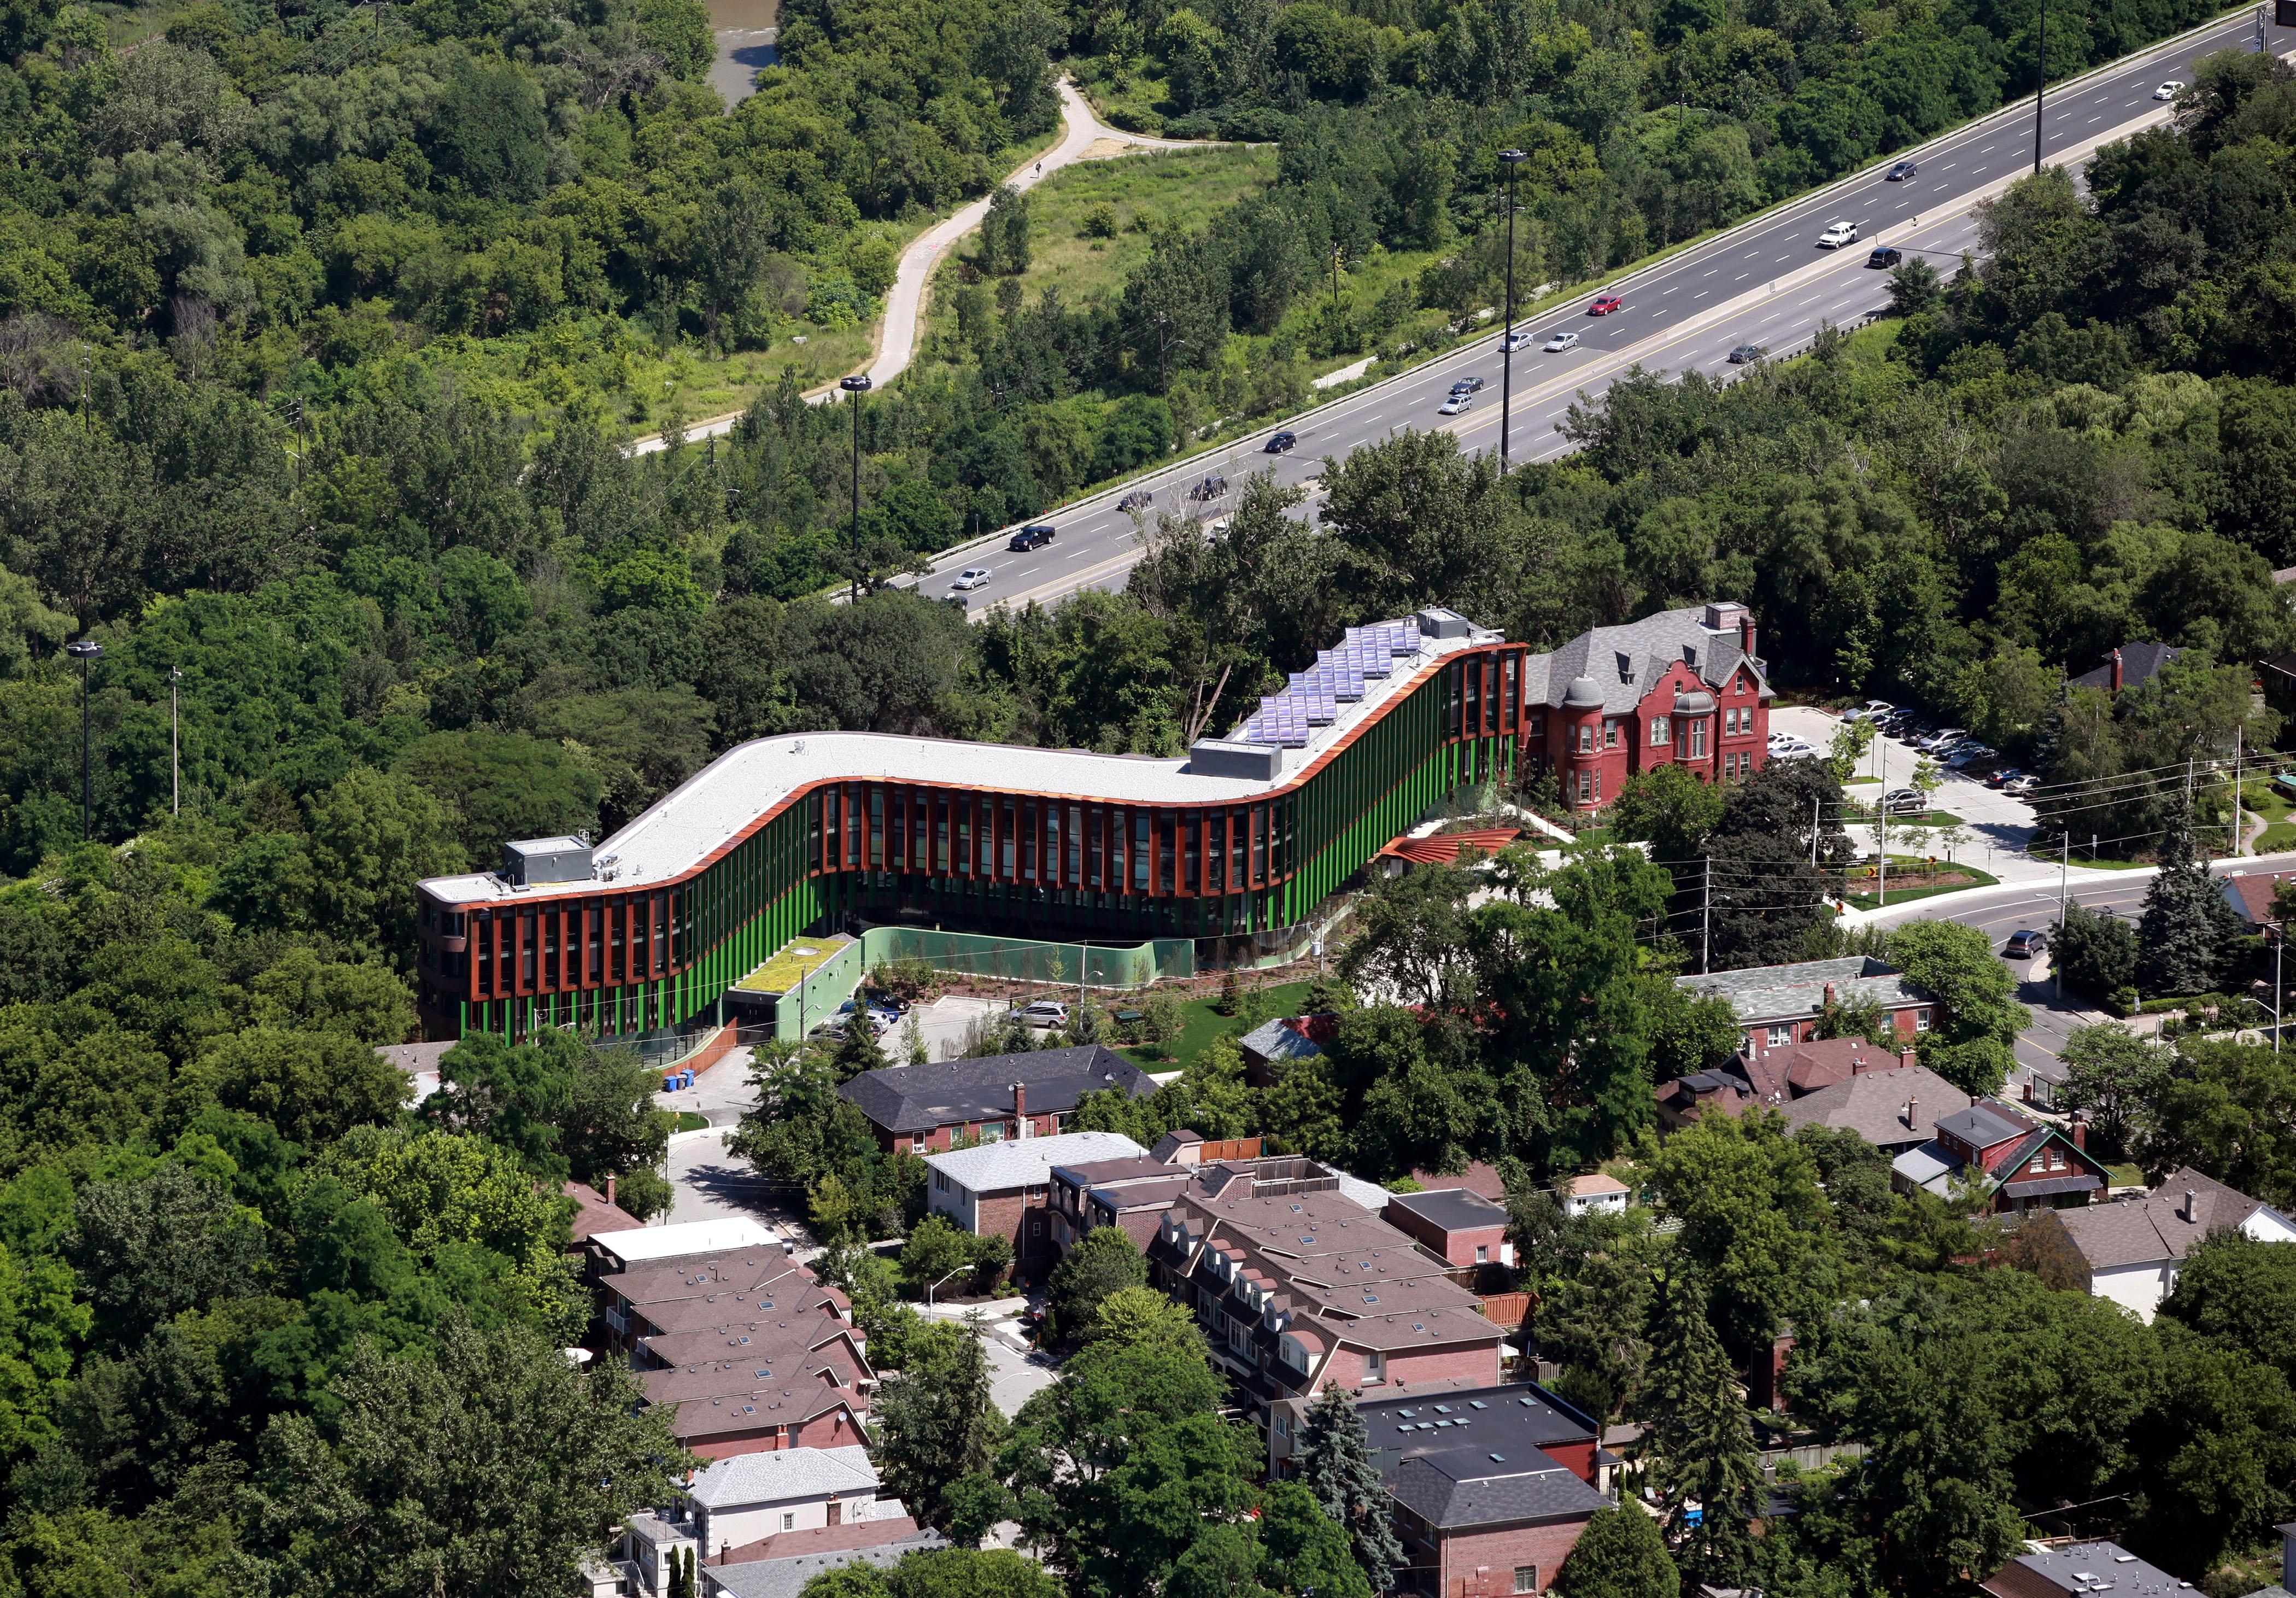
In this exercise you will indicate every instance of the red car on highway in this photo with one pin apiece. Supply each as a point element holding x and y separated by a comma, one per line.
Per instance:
<point>1605,305</point>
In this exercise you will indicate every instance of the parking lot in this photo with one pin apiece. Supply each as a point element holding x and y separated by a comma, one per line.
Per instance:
<point>1999,824</point>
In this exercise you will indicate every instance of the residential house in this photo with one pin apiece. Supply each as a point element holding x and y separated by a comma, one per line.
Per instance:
<point>1777,1005</point>
<point>1299,1287</point>
<point>1270,1047</point>
<point>922,1108</point>
<point>2082,1568</point>
<point>1492,1486</point>
<point>2013,1163</point>
<point>1683,687</point>
<point>1594,1195</point>
<point>596,1212</point>
<point>2250,895</point>
<point>1132,1192</point>
<point>1685,1099</point>
<point>1896,1111</point>
<point>1006,1188</point>
<point>1761,1073</point>
<point>1465,1228</point>
<point>2127,666</point>
<point>2132,1249</point>
<point>799,1501</point>
<point>785,1575</point>
<point>622,1249</point>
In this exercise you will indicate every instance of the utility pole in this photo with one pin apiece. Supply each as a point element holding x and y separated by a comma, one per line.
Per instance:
<point>2065,868</point>
<point>855,387</point>
<point>2279,942</point>
<point>1706,918</point>
<point>2041,84</point>
<point>1513,158</point>
<point>1813,833</point>
<point>174,742</point>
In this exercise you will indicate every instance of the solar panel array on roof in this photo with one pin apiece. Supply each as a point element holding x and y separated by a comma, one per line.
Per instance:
<point>1312,698</point>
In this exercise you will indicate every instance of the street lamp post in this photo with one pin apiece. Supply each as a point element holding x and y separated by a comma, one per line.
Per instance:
<point>1513,158</point>
<point>855,387</point>
<point>936,1286</point>
<point>2040,83</point>
<point>87,652</point>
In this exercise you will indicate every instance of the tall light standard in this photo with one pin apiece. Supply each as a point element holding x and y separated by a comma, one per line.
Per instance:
<point>87,652</point>
<point>1513,158</point>
<point>2041,83</point>
<point>855,387</point>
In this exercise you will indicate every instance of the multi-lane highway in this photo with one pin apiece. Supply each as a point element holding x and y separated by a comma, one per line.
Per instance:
<point>1766,283</point>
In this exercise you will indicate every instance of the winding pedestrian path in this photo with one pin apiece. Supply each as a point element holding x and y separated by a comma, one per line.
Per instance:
<point>1083,137</point>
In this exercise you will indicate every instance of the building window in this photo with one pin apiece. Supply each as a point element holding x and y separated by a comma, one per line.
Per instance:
<point>1483,1253</point>
<point>1661,730</point>
<point>1611,734</point>
<point>1781,1036</point>
<point>2056,1159</point>
<point>1539,722</point>
<point>788,1521</point>
<point>1374,1366</point>
<point>940,1182</point>
<point>1921,1021</point>
<point>1036,1228</point>
<point>1586,787</point>
<point>1587,738</point>
<point>1526,1578</point>
<point>1698,739</point>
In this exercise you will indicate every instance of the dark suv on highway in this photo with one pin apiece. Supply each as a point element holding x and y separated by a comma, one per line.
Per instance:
<point>1031,537</point>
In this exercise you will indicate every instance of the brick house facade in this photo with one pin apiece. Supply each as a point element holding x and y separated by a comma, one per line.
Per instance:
<point>1004,1189</point>
<point>1683,687</point>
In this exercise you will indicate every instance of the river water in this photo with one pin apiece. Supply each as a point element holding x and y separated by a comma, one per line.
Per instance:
<point>746,30</point>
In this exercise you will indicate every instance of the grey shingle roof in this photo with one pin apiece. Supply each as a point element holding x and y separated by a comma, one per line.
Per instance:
<point>786,1578</point>
<point>1873,1105</point>
<point>2149,1230</point>
<point>784,1473</point>
<point>919,1098</point>
<point>1983,1124</point>
<point>1029,1162</point>
<point>1274,1041</point>
<point>1625,660</point>
<point>2140,663</point>
<point>1774,992</point>
<point>1503,1489</point>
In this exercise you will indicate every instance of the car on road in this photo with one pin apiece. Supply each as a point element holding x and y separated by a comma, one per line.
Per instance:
<point>970,578</point>
<point>2022,784</point>
<point>1902,170</point>
<point>1837,234</point>
<point>1748,352</point>
<point>1282,442</point>
<point>1562,341</point>
<point>1468,385</point>
<point>1604,304</point>
<point>2024,944</point>
<point>1457,401</point>
<point>1044,1012</point>
<point>1906,802</point>
<point>1884,255</point>
<point>1215,529</point>
<point>1031,537</point>
<point>1520,340</point>
<point>2169,90</point>
<point>1139,499</point>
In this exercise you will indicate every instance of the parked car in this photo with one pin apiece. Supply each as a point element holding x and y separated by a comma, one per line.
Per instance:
<point>1942,739</point>
<point>2001,776</point>
<point>829,1032</point>
<point>1282,442</point>
<point>1031,537</point>
<point>1518,340</point>
<point>1139,499</point>
<point>971,578</point>
<point>1454,403</point>
<point>1747,352</point>
<point>2169,90</point>
<point>886,999</point>
<point>1974,755</point>
<point>1873,709</point>
<point>1793,749</point>
<point>1044,1012</point>
<point>1906,802</point>
<point>1468,385</point>
<point>2024,944</point>
<point>1884,255</point>
<point>1837,234</point>
<point>1562,341</point>
<point>1604,304</point>
<point>2020,784</point>
<point>1901,171</point>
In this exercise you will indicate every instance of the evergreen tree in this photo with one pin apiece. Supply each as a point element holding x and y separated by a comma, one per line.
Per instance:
<point>2187,931</point>
<point>2096,952</point>
<point>1335,1464</point>
<point>1702,1440</point>
<point>1620,1554</point>
<point>860,1052</point>
<point>937,1425</point>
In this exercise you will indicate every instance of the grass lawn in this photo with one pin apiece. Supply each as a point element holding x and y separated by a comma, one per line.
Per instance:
<point>1977,878</point>
<point>1203,1023</point>
<point>1183,188</point>
<point>2123,1175</point>
<point>1927,818</point>
<point>690,1120</point>
<point>2271,803</point>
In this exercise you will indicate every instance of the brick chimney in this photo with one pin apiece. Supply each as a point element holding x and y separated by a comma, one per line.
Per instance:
<point>2080,1131</point>
<point>1019,1107</point>
<point>2192,1210</point>
<point>1831,998</point>
<point>1912,1114</point>
<point>1746,634</point>
<point>610,1189</point>
<point>2115,671</point>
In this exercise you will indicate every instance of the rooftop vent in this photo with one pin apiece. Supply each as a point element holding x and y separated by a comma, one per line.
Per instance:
<point>532,862</point>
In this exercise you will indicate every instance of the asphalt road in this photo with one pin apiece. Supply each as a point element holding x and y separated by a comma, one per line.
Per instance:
<point>1766,283</point>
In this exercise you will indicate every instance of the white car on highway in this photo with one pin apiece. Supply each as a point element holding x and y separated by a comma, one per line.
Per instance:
<point>1515,341</point>
<point>1462,401</point>
<point>1837,234</point>
<point>2168,90</point>
<point>971,578</point>
<point>1562,339</point>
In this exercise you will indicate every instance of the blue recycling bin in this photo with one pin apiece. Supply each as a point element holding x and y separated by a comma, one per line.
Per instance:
<point>669,1083</point>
